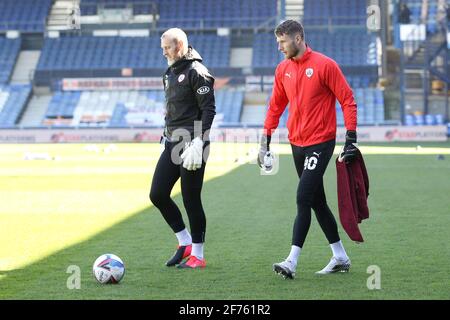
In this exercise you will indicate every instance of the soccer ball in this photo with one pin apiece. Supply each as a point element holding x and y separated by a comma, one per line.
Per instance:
<point>108,268</point>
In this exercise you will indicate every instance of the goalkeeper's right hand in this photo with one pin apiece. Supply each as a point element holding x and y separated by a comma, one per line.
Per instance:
<point>265,156</point>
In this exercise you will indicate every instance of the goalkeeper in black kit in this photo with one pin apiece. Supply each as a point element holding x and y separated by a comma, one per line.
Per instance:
<point>190,110</point>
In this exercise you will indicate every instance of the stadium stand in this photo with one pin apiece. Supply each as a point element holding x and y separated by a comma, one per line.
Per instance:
<point>325,12</point>
<point>424,54</point>
<point>424,12</point>
<point>337,30</point>
<point>9,50</point>
<point>421,12</point>
<point>421,119</point>
<point>265,51</point>
<point>191,14</point>
<point>13,99</point>
<point>89,56</point>
<point>370,103</point>
<point>87,52</point>
<point>215,14</point>
<point>229,103</point>
<point>127,108</point>
<point>140,7</point>
<point>62,105</point>
<point>101,108</point>
<point>24,15</point>
<point>340,45</point>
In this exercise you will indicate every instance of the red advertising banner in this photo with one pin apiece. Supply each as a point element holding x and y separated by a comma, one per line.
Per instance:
<point>82,84</point>
<point>143,83</point>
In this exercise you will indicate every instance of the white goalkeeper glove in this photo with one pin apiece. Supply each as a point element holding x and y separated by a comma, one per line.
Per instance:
<point>265,158</point>
<point>193,155</point>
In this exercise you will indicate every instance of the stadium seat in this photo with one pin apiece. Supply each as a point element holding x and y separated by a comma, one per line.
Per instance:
<point>87,53</point>
<point>13,99</point>
<point>348,48</point>
<point>215,14</point>
<point>343,12</point>
<point>24,15</point>
<point>126,108</point>
<point>265,51</point>
<point>370,103</point>
<point>9,51</point>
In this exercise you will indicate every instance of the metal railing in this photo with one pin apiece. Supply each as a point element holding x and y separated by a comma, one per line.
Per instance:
<point>209,23</point>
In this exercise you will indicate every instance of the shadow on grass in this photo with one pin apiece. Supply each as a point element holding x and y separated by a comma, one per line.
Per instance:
<point>237,222</point>
<point>249,227</point>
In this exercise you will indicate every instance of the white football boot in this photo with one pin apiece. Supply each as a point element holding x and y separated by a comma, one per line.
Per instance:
<point>285,269</point>
<point>336,265</point>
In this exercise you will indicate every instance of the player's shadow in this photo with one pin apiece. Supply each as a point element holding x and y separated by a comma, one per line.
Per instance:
<point>246,230</point>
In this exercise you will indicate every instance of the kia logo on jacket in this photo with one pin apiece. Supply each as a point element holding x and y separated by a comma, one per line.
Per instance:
<point>203,90</point>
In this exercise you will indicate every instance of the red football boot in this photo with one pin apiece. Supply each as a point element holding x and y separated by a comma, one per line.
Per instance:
<point>193,262</point>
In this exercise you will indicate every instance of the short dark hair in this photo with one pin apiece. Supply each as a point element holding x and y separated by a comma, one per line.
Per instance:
<point>290,28</point>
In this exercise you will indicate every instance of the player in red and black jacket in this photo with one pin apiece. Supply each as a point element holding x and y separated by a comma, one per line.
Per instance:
<point>310,83</point>
<point>190,111</point>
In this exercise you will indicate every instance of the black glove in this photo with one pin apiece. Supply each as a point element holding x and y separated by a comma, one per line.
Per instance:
<point>264,151</point>
<point>350,147</point>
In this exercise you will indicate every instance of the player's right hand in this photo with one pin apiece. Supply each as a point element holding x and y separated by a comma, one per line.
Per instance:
<point>265,156</point>
<point>266,162</point>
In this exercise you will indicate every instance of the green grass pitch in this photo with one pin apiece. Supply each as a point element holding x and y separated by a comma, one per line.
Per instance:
<point>76,202</point>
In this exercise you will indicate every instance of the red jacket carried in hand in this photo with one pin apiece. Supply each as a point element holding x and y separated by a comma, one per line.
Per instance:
<point>353,190</point>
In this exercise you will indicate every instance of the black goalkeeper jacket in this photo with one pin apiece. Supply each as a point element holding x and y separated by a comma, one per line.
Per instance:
<point>189,91</point>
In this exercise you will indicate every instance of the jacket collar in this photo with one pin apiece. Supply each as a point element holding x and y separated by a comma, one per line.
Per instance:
<point>305,55</point>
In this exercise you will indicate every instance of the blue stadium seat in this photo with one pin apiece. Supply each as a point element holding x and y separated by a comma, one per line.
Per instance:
<point>229,102</point>
<point>214,14</point>
<point>265,51</point>
<point>24,15</point>
<point>416,8</point>
<point>86,53</point>
<point>348,48</point>
<point>126,108</point>
<point>90,7</point>
<point>342,12</point>
<point>409,120</point>
<point>9,50</point>
<point>12,107</point>
<point>370,103</point>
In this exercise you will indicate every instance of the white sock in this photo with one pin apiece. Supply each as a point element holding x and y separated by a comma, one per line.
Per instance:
<point>338,250</point>
<point>184,237</point>
<point>197,250</point>
<point>294,254</point>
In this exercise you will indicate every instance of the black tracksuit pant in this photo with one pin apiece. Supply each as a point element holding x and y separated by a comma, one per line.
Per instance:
<point>311,163</point>
<point>168,171</point>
